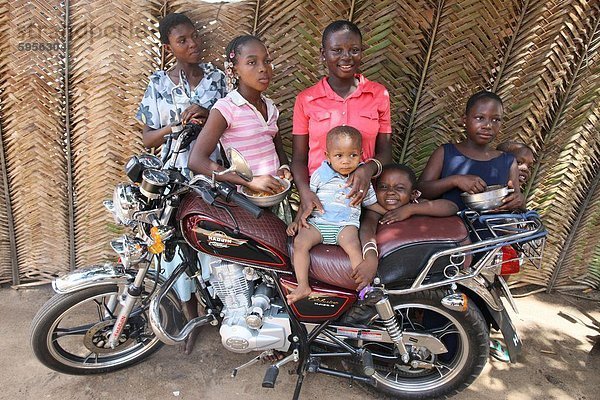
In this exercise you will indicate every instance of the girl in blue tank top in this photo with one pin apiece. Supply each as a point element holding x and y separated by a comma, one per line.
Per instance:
<point>473,164</point>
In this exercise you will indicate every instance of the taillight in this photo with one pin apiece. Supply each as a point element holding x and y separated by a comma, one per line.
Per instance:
<point>511,262</point>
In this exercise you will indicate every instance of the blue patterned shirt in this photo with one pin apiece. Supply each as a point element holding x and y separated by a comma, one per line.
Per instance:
<point>157,108</point>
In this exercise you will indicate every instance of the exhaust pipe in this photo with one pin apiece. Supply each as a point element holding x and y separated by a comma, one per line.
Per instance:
<point>155,322</point>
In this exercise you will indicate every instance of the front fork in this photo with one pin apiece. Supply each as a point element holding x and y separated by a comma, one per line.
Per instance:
<point>134,292</point>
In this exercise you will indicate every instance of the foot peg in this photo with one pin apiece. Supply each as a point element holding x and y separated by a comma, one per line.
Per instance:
<point>270,377</point>
<point>366,360</point>
<point>261,356</point>
<point>273,370</point>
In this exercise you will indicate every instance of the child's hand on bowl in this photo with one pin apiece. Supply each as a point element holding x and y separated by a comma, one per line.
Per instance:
<point>469,183</point>
<point>285,173</point>
<point>513,201</point>
<point>264,183</point>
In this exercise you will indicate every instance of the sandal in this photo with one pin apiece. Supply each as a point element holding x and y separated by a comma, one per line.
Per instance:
<point>498,351</point>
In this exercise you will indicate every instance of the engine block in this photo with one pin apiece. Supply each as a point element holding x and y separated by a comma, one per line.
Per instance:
<point>250,321</point>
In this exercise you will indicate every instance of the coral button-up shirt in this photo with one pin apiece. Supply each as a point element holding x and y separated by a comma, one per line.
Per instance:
<point>318,109</point>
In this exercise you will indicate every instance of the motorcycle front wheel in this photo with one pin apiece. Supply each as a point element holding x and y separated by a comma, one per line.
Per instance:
<point>70,332</point>
<point>464,334</point>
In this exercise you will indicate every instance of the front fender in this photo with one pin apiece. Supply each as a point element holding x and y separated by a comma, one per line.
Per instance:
<point>93,275</point>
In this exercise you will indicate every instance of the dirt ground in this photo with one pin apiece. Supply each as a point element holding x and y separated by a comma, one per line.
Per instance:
<point>558,332</point>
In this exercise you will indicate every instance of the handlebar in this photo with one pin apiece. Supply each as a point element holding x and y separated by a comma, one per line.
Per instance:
<point>191,130</point>
<point>230,193</point>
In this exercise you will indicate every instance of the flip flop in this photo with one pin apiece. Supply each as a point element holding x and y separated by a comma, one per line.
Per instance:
<point>498,351</point>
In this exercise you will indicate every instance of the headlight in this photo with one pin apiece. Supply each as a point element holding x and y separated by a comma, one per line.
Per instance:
<point>125,203</point>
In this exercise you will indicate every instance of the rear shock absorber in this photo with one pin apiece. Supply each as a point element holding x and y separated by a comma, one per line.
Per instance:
<point>388,316</point>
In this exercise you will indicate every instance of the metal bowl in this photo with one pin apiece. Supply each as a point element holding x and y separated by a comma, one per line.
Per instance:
<point>488,200</point>
<point>268,201</point>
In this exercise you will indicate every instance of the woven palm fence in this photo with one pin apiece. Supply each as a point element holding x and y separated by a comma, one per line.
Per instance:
<point>67,109</point>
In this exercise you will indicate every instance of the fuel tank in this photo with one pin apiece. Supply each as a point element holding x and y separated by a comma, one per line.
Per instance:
<point>243,239</point>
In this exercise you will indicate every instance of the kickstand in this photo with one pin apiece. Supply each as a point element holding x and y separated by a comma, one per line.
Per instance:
<point>302,371</point>
<point>253,361</point>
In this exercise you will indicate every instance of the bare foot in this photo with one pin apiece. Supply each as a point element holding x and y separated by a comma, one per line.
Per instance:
<point>299,293</point>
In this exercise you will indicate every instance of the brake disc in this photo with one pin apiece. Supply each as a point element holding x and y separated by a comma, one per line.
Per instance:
<point>96,338</point>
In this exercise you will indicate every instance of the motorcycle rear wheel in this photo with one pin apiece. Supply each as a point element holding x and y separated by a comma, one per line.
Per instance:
<point>69,333</point>
<point>465,335</point>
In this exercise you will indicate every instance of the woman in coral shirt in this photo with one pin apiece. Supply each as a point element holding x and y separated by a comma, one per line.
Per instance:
<point>344,97</point>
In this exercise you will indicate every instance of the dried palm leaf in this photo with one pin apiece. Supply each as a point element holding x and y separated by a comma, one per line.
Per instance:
<point>463,47</point>
<point>106,79</point>
<point>5,230</point>
<point>571,142</point>
<point>397,55</point>
<point>580,252</point>
<point>33,134</point>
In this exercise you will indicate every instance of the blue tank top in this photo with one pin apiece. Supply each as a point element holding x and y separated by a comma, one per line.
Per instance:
<point>494,172</point>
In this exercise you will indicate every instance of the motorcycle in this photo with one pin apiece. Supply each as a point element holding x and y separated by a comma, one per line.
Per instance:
<point>420,330</point>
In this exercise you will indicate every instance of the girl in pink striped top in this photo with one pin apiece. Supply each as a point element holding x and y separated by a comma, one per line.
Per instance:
<point>245,120</point>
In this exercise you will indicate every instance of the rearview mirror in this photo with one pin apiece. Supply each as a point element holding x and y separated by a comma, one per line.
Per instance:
<point>238,165</point>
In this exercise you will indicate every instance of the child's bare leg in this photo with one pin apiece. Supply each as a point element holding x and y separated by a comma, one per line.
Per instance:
<point>306,239</point>
<point>349,241</point>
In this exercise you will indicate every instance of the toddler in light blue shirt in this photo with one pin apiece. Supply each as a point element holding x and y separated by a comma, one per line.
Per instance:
<point>339,222</point>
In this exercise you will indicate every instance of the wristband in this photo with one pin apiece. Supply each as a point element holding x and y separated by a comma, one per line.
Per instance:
<point>285,166</point>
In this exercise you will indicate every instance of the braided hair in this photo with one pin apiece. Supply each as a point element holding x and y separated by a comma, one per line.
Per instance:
<point>231,52</point>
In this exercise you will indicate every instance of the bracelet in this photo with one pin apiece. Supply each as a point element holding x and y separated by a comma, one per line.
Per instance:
<point>379,166</point>
<point>284,166</point>
<point>370,245</point>
<point>371,248</point>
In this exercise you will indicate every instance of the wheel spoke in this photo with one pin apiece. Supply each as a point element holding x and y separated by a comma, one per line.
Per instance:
<point>103,309</point>
<point>95,355</point>
<point>408,318</point>
<point>447,329</point>
<point>76,330</point>
<point>439,367</point>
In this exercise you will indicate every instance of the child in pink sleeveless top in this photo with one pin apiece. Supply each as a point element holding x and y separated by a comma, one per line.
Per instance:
<point>245,120</point>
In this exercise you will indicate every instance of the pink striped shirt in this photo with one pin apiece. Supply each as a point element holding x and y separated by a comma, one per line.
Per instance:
<point>248,132</point>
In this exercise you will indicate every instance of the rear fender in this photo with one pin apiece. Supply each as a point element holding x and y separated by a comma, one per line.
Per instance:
<point>495,314</point>
<point>93,275</point>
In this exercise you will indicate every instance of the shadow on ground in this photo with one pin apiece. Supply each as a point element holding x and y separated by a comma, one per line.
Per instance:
<point>559,361</point>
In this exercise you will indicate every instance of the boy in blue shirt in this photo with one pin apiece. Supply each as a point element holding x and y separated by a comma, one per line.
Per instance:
<point>339,222</point>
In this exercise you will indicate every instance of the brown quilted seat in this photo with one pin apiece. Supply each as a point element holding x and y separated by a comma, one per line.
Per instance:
<point>267,229</point>
<point>330,264</point>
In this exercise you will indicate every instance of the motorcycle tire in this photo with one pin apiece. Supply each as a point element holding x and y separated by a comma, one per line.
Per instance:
<point>82,349</point>
<point>465,335</point>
